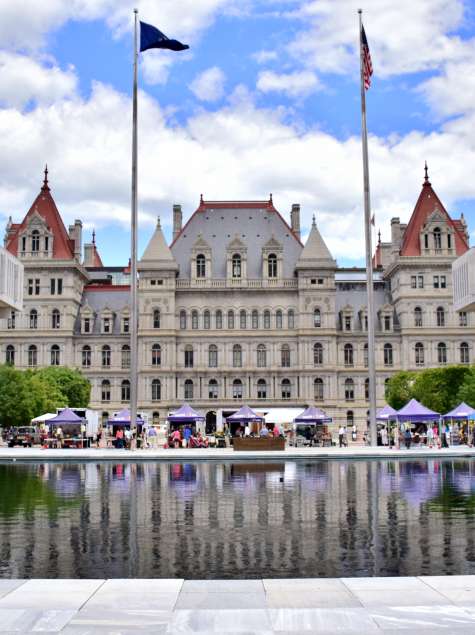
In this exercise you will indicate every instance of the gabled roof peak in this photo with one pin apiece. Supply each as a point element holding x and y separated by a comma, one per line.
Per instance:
<point>315,254</point>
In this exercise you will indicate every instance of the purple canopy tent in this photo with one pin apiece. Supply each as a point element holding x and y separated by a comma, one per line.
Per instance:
<point>65,417</point>
<point>414,412</point>
<point>383,414</point>
<point>185,414</point>
<point>312,416</point>
<point>462,411</point>
<point>122,418</point>
<point>245,415</point>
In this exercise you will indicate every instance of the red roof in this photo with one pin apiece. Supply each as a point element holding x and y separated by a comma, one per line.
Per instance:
<point>107,287</point>
<point>427,202</point>
<point>44,205</point>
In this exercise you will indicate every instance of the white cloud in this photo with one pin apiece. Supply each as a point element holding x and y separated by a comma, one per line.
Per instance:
<point>209,85</point>
<point>262,57</point>
<point>296,84</point>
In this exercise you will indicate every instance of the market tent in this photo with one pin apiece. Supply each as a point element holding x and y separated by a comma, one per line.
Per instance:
<point>43,418</point>
<point>185,414</point>
<point>280,415</point>
<point>245,415</point>
<point>65,417</point>
<point>462,411</point>
<point>415,411</point>
<point>383,414</point>
<point>122,418</point>
<point>312,416</point>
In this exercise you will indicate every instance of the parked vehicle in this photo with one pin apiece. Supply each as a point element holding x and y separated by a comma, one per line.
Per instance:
<point>25,436</point>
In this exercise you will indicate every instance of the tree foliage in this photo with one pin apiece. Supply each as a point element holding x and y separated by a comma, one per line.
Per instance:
<point>71,383</point>
<point>399,389</point>
<point>466,391</point>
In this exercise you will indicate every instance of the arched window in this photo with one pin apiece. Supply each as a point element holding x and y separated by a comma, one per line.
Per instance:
<point>55,355</point>
<point>212,389</point>
<point>366,388</point>
<point>155,418</point>
<point>290,319</point>
<point>348,355</point>
<point>365,355</point>
<point>10,355</point>
<point>267,319</point>
<point>200,266</point>
<point>156,390</point>
<point>317,318</point>
<point>156,319</point>
<point>317,354</point>
<point>106,355</point>
<point>213,356</point>
<point>418,316</point>
<point>189,356</point>
<point>350,418</point>
<point>105,390</point>
<point>236,266</point>
<point>285,356</point>
<point>125,356</point>
<point>437,238</point>
<point>272,266</point>
<point>33,319</point>
<point>440,316</point>
<point>156,355</point>
<point>188,389</point>
<point>219,319</point>
<point>464,353</point>
<point>86,356</point>
<point>194,320</point>
<point>206,320</point>
<point>278,319</point>
<point>35,240</point>
<point>183,319</point>
<point>261,356</point>
<point>32,355</point>
<point>261,389</point>
<point>242,319</point>
<point>125,390</point>
<point>318,389</point>
<point>230,319</point>
<point>388,355</point>
<point>286,389</point>
<point>55,319</point>
<point>255,319</point>
<point>419,350</point>
<point>386,386</point>
<point>237,356</point>
<point>237,389</point>
<point>442,353</point>
<point>349,389</point>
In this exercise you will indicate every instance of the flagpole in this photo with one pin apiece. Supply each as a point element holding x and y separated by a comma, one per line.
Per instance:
<point>369,263</point>
<point>133,248</point>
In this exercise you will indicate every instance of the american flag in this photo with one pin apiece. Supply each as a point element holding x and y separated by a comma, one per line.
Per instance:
<point>367,64</point>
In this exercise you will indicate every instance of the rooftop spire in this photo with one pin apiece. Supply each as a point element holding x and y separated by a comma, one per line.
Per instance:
<point>45,180</point>
<point>379,236</point>
<point>426,174</point>
<point>93,236</point>
<point>270,198</point>
<point>158,222</point>
<point>201,199</point>
<point>314,224</point>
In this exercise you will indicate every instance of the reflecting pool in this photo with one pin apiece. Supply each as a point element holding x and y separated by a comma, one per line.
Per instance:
<point>239,520</point>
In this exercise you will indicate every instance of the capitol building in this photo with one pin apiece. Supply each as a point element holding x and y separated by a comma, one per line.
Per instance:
<point>237,309</point>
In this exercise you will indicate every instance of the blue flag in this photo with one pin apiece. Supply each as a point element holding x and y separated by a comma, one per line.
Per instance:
<point>152,38</point>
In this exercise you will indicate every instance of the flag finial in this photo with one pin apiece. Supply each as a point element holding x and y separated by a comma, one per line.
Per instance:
<point>93,236</point>
<point>426,174</point>
<point>45,180</point>
<point>379,236</point>
<point>270,198</point>
<point>314,224</point>
<point>201,199</point>
<point>159,226</point>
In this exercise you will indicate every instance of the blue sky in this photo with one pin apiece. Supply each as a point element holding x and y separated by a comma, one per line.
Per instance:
<point>266,100</point>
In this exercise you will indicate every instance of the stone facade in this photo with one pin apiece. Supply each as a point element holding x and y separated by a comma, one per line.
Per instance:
<point>238,310</point>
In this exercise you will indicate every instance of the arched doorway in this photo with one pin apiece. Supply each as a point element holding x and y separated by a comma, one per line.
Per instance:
<point>210,422</point>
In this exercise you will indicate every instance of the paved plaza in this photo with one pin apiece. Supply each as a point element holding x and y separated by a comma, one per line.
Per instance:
<point>313,605</point>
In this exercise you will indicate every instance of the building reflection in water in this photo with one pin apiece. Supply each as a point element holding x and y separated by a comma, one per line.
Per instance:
<point>239,520</point>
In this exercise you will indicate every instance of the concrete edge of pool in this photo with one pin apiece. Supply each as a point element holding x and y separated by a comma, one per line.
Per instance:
<point>258,606</point>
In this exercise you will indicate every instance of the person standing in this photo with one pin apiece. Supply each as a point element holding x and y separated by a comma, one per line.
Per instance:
<point>408,438</point>
<point>430,436</point>
<point>187,435</point>
<point>341,435</point>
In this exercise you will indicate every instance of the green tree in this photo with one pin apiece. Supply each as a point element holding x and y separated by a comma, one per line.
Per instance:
<point>399,389</point>
<point>16,404</point>
<point>437,388</point>
<point>466,391</point>
<point>69,382</point>
<point>45,395</point>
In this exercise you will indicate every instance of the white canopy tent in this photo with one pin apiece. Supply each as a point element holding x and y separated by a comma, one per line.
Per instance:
<point>43,418</point>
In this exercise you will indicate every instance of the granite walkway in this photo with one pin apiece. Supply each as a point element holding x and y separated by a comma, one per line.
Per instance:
<point>261,607</point>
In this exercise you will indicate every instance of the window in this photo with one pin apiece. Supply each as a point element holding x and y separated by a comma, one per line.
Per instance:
<point>87,325</point>
<point>105,390</point>
<point>285,389</point>
<point>349,390</point>
<point>413,282</point>
<point>442,353</point>
<point>106,355</point>
<point>436,282</point>
<point>237,356</point>
<point>272,266</point>
<point>419,350</point>
<point>464,353</point>
<point>59,286</point>
<point>156,355</point>
<point>350,418</point>
<point>183,320</point>
<point>365,355</point>
<point>261,356</point>
<point>242,320</point>
<point>426,241</point>
<point>236,266</point>
<point>463,318</point>
<point>125,325</point>
<point>278,320</point>
<point>213,356</point>
<point>317,354</point>
<point>86,356</point>
<point>10,355</point>
<point>55,355</point>
<point>317,318</point>
<point>207,320</point>
<point>267,319</point>
<point>11,320</point>
<point>35,240</point>
<point>230,319</point>
<point>347,322</point>
<point>52,283</point>
<point>388,355</point>
<point>194,320</point>
<point>318,389</point>
<point>32,355</point>
<point>285,356</point>
<point>418,317</point>
<point>437,238</point>
<point>37,286</point>
<point>261,389</point>
<point>106,325</point>
<point>188,356</point>
<point>443,282</point>
<point>156,390</point>
<point>30,286</point>
<point>125,390</point>
<point>449,241</point>
<point>33,319</point>
<point>46,243</point>
<point>348,355</point>
<point>200,266</point>
<point>219,319</point>
<point>420,281</point>
<point>188,389</point>
<point>23,243</point>
<point>255,320</point>
<point>55,319</point>
<point>237,389</point>
<point>212,389</point>
<point>366,389</point>
<point>290,319</point>
<point>387,323</point>
<point>156,319</point>
<point>440,314</point>
<point>125,356</point>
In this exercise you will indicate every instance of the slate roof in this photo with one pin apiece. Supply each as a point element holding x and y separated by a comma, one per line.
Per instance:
<point>157,254</point>
<point>100,298</point>
<point>316,254</point>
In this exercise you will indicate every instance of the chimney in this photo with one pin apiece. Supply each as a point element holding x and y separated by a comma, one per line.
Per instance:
<point>75,234</point>
<point>177,220</point>
<point>295,219</point>
<point>88,254</point>
<point>395,234</point>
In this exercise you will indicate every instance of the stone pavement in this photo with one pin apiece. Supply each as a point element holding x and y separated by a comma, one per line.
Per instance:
<point>261,607</point>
